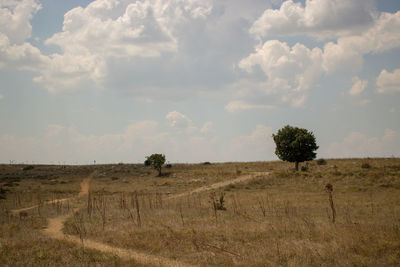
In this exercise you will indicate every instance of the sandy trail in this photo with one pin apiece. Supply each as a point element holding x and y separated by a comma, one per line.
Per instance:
<point>55,226</point>
<point>221,184</point>
<point>83,191</point>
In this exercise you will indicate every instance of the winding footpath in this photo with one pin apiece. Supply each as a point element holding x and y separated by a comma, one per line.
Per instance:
<point>55,225</point>
<point>240,179</point>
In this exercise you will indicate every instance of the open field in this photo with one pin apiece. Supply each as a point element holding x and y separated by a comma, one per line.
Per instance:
<point>273,216</point>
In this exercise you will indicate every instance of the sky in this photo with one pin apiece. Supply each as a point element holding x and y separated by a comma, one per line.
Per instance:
<point>196,80</point>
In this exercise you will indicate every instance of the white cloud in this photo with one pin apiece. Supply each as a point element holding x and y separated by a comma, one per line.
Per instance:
<point>319,18</point>
<point>22,57</point>
<point>358,86</point>
<point>15,28</point>
<point>347,53</point>
<point>357,144</point>
<point>15,19</point>
<point>289,70</point>
<point>180,121</point>
<point>177,119</point>
<point>114,29</point>
<point>388,82</point>
<point>241,105</point>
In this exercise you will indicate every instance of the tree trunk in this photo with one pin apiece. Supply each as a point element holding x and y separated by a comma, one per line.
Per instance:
<point>159,172</point>
<point>297,165</point>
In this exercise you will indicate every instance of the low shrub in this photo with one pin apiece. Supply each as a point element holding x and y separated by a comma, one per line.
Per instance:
<point>220,204</point>
<point>321,162</point>
<point>27,168</point>
<point>365,165</point>
<point>304,168</point>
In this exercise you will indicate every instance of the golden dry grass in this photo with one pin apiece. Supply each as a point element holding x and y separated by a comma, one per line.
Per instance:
<point>280,219</point>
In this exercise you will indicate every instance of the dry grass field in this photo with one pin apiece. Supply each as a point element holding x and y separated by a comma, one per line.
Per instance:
<point>274,217</point>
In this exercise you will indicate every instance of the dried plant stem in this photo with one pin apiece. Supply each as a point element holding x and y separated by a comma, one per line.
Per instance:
<point>329,189</point>
<point>139,223</point>
<point>181,213</point>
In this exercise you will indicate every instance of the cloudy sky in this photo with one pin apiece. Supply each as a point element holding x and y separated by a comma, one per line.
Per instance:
<point>197,80</point>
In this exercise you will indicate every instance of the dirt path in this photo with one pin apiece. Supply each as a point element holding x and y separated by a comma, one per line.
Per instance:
<point>221,184</point>
<point>55,226</point>
<point>83,191</point>
<point>54,230</point>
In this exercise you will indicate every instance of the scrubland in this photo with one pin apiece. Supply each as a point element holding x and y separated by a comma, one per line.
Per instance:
<point>279,217</point>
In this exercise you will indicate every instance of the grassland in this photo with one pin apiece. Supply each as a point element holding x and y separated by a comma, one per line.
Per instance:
<point>278,218</point>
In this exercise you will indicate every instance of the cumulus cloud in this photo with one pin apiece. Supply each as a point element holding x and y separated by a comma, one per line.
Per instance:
<point>358,86</point>
<point>388,82</point>
<point>15,19</point>
<point>347,52</point>
<point>180,121</point>
<point>241,105</point>
<point>289,70</point>
<point>21,57</point>
<point>122,30</point>
<point>319,18</point>
<point>357,144</point>
<point>15,29</point>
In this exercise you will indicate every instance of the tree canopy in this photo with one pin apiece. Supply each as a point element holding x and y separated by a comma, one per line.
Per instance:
<point>295,144</point>
<point>156,161</point>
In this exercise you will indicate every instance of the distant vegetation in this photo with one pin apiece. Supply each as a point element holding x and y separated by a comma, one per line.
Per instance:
<point>27,168</point>
<point>156,161</point>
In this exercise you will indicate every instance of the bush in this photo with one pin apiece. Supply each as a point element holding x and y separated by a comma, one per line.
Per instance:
<point>220,204</point>
<point>321,162</point>
<point>304,168</point>
<point>27,168</point>
<point>365,165</point>
<point>168,166</point>
<point>156,161</point>
<point>207,163</point>
<point>3,193</point>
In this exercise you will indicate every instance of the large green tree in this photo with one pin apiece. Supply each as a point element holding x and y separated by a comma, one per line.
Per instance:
<point>156,161</point>
<point>295,144</point>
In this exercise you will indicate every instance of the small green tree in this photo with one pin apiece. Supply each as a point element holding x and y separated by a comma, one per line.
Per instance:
<point>295,144</point>
<point>156,161</point>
